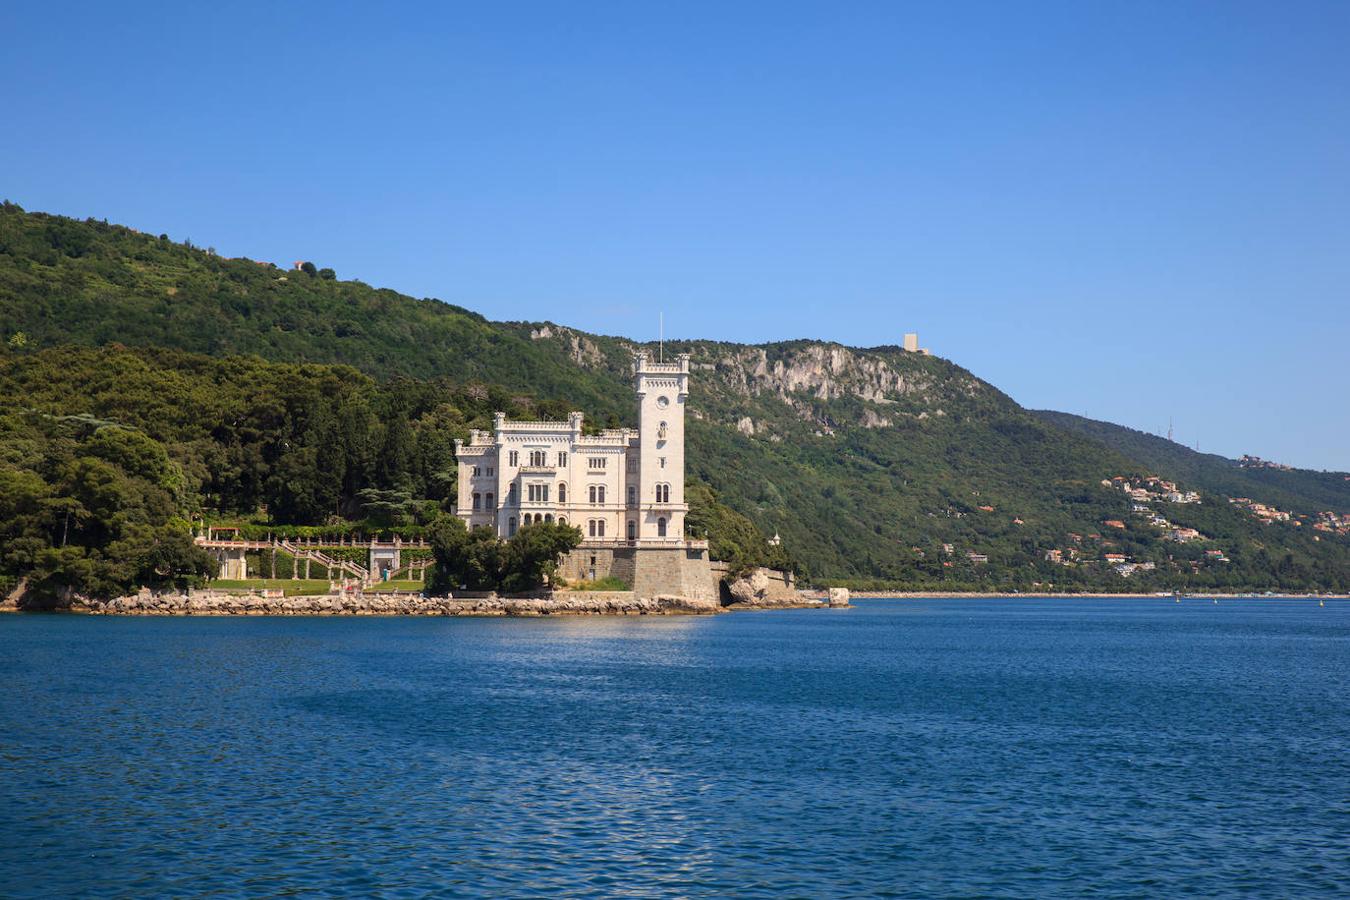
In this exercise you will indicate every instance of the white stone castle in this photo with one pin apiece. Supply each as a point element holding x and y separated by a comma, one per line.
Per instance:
<point>623,487</point>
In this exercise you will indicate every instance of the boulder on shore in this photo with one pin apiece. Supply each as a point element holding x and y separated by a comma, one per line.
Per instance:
<point>765,589</point>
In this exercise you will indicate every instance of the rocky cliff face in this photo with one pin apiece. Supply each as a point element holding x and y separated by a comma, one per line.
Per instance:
<point>826,385</point>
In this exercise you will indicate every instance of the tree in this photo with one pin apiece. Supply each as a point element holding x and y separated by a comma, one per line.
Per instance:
<point>327,274</point>
<point>308,268</point>
<point>299,490</point>
<point>533,554</point>
<point>170,558</point>
<point>465,560</point>
<point>478,560</point>
<point>387,508</point>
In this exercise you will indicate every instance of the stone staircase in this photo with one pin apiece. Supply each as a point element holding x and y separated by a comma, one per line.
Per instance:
<point>359,572</point>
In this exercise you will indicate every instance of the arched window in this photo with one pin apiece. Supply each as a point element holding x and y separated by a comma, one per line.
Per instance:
<point>562,520</point>
<point>477,500</point>
<point>661,527</point>
<point>537,458</point>
<point>562,493</point>
<point>590,528</point>
<point>632,530</point>
<point>591,493</point>
<point>548,518</point>
<point>599,527</point>
<point>663,493</point>
<point>600,493</point>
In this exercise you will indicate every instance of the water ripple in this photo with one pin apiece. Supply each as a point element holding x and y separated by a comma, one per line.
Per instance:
<point>904,749</point>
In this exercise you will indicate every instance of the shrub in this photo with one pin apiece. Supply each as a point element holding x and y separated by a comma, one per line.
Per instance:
<point>608,583</point>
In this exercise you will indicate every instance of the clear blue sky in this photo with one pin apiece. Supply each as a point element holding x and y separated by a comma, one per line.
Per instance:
<point>1126,210</point>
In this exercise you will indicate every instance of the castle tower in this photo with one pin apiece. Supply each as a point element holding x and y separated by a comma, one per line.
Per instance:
<point>662,391</point>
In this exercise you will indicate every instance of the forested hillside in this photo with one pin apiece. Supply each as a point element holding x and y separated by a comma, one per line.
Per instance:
<point>1299,489</point>
<point>296,398</point>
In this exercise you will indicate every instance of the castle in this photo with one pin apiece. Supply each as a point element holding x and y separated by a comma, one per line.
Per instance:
<point>623,487</point>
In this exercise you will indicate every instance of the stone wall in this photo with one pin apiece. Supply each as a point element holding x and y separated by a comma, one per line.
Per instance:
<point>602,561</point>
<point>674,571</point>
<point>562,603</point>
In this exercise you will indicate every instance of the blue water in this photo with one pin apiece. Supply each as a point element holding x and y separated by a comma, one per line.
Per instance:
<point>1020,748</point>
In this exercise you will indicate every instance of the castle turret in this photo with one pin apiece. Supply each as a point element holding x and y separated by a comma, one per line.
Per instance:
<point>662,391</point>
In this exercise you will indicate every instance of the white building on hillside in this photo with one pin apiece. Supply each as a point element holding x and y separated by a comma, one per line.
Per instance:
<point>620,487</point>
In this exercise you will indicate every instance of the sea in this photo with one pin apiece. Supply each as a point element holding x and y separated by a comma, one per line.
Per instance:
<point>1019,747</point>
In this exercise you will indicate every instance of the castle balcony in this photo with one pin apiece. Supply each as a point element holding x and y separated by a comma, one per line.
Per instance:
<point>638,543</point>
<point>538,470</point>
<point>662,507</point>
<point>537,506</point>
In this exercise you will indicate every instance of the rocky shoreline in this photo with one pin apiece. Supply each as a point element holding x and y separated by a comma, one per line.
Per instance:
<point>754,590</point>
<point>211,603</point>
<point>561,603</point>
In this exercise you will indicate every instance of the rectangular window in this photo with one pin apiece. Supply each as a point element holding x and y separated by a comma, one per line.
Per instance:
<point>596,462</point>
<point>632,463</point>
<point>632,495</point>
<point>477,470</point>
<point>514,458</point>
<point>562,459</point>
<point>477,501</point>
<point>591,527</point>
<point>490,470</point>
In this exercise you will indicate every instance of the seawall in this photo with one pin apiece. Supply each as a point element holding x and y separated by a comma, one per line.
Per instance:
<point>563,603</point>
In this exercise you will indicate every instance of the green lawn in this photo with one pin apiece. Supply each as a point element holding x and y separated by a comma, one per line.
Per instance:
<point>397,585</point>
<point>292,587</point>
